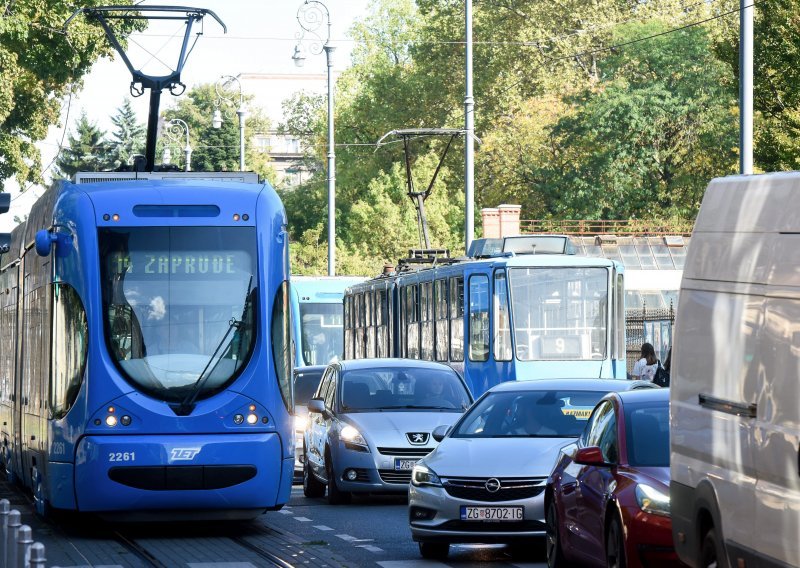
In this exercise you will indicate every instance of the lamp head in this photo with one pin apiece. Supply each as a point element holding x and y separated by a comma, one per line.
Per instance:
<point>216,120</point>
<point>299,56</point>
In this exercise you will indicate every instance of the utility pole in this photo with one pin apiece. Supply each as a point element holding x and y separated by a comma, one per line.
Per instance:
<point>469,135</point>
<point>746,86</point>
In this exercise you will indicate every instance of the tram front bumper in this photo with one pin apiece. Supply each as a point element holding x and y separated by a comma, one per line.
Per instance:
<point>136,473</point>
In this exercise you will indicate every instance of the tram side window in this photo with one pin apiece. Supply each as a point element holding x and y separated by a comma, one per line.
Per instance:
<point>502,327</point>
<point>69,349</point>
<point>457,319</point>
<point>479,318</point>
<point>358,335</point>
<point>412,321</point>
<point>440,287</point>
<point>348,327</point>
<point>382,324</point>
<point>371,316</point>
<point>619,320</point>
<point>426,317</point>
<point>281,341</point>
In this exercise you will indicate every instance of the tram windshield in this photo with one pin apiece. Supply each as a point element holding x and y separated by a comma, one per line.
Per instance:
<point>559,314</point>
<point>323,336</point>
<point>179,305</point>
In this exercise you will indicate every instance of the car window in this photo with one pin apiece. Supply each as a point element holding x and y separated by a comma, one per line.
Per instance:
<point>602,414</point>
<point>647,435</point>
<point>411,388</point>
<point>522,414</point>
<point>323,384</point>
<point>330,394</point>
<point>305,384</point>
<point>607,437</point>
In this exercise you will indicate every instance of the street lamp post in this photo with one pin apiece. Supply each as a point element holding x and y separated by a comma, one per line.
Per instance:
<point>222,98</point>
<point>312,15</point>
<point>174,130</point>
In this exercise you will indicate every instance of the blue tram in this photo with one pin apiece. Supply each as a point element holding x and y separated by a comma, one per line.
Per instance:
<point>511,316</point>
<point>317,317</point>
<point>145,360</point>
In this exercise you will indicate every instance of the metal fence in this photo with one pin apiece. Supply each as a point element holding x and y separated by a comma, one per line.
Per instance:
<point>17,549</point>
<point>636,324</point>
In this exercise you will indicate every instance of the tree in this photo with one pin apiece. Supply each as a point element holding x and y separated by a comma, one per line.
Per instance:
<point>128,138</point>
<point>87,150</point>
<point>39,65</point>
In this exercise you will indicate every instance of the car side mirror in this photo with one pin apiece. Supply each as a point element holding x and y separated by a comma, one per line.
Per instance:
<point>440,432</point>
<point>317,405</point>
<point>590,455</point>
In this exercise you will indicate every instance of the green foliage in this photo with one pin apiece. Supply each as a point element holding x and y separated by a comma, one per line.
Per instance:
<point>217,149</point>
<point>39,66</point>
<point>86,150</point>
<point>128,137</point>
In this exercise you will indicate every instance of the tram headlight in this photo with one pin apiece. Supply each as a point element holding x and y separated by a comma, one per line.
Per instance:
<point>238,419</point>
<point>252,418</point>
<point>111,421</point>
<point>125,420</point>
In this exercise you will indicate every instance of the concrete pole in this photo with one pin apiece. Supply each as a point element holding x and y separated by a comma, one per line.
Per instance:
<point>746,10</point>
<point>331,166</point>
<point>469,142</point>
<point>242,114</point>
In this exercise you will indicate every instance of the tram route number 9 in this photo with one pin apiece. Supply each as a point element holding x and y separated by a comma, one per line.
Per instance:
<point>558,347</point>
<point>121,456</point>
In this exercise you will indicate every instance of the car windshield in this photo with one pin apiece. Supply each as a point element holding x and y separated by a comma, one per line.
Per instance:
<point>647,435</point>
<point>179,305</point>
<point>529,414</point>
<point>403,388</point>
<point>305,385</point>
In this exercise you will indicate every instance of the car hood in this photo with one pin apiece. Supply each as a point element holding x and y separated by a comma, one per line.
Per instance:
<point>496,457</point>
<point>389,428</point>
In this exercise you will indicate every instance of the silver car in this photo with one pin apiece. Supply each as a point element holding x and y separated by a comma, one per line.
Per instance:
<point>306,382</point>
<point>371,420</point>
<point>485,481</point>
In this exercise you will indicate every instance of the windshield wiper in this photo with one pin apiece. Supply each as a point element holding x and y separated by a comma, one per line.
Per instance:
<point>187,404</point>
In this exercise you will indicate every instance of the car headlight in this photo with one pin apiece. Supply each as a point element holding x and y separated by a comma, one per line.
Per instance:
<point>300,423</point>
<point>422,475</point>
<point>352,436</point>
<point>652,500</point>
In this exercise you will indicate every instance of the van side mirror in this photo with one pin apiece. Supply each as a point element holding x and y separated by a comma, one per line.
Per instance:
<point>440,432</point>
<point>317,405</point>
<point>590,455</point>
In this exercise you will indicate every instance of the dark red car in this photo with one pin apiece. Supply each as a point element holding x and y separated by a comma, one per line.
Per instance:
<point>607,500</point>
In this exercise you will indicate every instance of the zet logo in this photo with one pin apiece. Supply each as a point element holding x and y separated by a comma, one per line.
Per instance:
<point>184,453</point>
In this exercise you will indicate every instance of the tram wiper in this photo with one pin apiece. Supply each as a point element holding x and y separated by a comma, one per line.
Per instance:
<point>187,404</point>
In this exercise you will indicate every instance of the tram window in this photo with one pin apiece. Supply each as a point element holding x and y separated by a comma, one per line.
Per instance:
<point>619,317</point>
<point>382,339</point>
<point>412,322</point>
<point>479,318</point>
<point>502,324</point>
<point>371,321</point>
<point>70,335</point>
<point>440,287</point>
<point>281,340</point>
<point>456,319</point>
<point>426,317</point>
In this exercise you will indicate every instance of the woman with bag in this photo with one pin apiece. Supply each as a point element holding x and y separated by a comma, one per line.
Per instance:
<point>645,368</point>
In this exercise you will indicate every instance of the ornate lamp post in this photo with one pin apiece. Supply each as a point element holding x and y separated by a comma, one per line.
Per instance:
<point>223,97</point>
<point>174,130</point>
<point>312,15</point>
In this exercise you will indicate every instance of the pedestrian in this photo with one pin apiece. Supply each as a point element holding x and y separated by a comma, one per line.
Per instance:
<point>645,368</point>
<point>661,378</point>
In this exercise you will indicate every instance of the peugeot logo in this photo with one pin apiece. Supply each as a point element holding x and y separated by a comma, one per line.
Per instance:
<point>417,438</point>
<point>492,485</point>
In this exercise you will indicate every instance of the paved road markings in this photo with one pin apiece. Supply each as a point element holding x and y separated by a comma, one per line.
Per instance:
<point>286,512</point>
<point>322,528</point>
<point>369,547</point>
<point>302,519</point>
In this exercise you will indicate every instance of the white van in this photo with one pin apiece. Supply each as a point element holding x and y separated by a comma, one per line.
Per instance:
<point>735,390</point>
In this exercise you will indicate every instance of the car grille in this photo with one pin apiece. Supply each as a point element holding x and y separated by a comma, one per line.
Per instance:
<point>392,476</point>
<point>412,452</point>
<point>474,489</point>
<point>489,526</point>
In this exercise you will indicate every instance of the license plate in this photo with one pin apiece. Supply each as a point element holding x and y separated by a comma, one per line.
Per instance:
<point>491,513</point>
<point>404,465</point>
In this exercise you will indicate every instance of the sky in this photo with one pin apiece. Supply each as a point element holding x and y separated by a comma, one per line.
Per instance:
<point>261,36</point>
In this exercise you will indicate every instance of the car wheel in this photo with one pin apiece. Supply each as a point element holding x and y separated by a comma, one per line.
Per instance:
<point>615,544</point>
<point>555,554</point>
<point>709,554</point>
<point>312,487</point>
<point>335,495</point>
<point>434,550</point>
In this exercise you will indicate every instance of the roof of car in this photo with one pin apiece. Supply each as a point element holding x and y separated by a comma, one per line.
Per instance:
<point>644,396</point>
<point>354,364</point>
<point>574,384</point>
<point>310,369</point>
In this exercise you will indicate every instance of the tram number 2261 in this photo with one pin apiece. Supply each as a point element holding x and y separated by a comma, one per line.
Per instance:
<point>121,456</point>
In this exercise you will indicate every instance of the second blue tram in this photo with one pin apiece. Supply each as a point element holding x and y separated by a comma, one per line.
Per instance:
<point>511,317</point>
<point>145,341</point>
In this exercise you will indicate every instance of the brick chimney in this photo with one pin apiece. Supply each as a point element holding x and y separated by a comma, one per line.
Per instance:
<point>490,217</point>
<point>509,219</point>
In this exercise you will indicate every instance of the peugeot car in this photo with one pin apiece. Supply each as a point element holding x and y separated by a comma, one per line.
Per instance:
<point>371,420</point>
<point>485,482</point>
